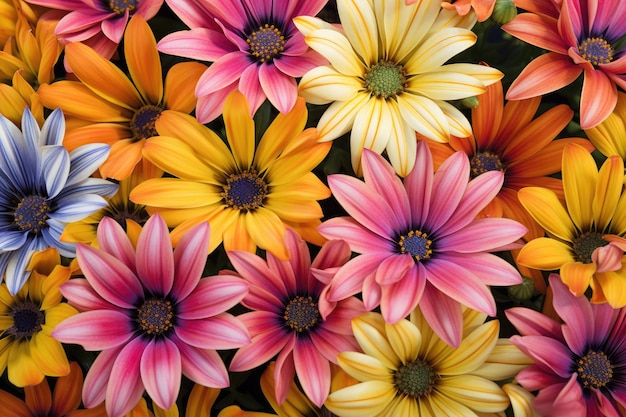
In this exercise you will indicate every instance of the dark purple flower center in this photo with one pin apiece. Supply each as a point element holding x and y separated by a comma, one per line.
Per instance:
<point>415,379</point>
<point>301,313</point>
<point>31,213</point>
<point>596,51</point>
<point>483,162</point>
<point>266,43</point>
<point>595,370</point>
<point>143,122</point>
<point>385,79</point>
<point>417,244</point>
<point>130,211</point>
<point>585,244</point>
<point>27,320</point>
<point>120,6</point>
<point>156,316</point>
<point>244,191</point>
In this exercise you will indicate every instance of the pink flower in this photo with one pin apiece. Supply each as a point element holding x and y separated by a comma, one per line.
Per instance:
<point>254,47</point>
<point>291,318</point>
<point>151,315</point>
<point>420,242</point>
<point>580,366</point>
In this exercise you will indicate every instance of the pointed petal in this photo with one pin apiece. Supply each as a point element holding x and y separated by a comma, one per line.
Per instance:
<point>161,371</point>
<point>155,260</point>
<point>95,330</point>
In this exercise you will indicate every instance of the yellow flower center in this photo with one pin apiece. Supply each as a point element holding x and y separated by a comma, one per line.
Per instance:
<point>417,244</point>
<point>143,122</point>
<point>483,162</point>
<point>31,213</point>
<point>301,313</point>
<point>27,320</point>
<point>155,316</point>
<point>244,191</point>
<point>585,244</point>
<point>385,79</point>
<point>415,379</point>
<point>595,370</point>
<point>120,6</point>
<point>596,51</point>
<point>266,43</point>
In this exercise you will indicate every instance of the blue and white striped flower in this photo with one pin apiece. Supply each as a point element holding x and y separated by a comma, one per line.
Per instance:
<point>43,187</point>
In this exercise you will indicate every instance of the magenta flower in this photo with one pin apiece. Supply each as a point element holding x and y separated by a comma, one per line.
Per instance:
<point>151,315</point>
<point>254,47</point>
<point>292,319</point>
<point>580,365</point>
<point>420,242</point>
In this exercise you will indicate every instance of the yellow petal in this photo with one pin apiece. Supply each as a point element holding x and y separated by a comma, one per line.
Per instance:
<point>504,362</point>
<point>295,405</point>
<point>473,351</point>
<point>612,284</point>
<point>49,355</point>
<point>364,367</point>
<point>405,340</point>
<point>369,331</point>
<point>143,60</point>
<point>545,254</point>
<point>336,48</point>
<point>577,276</point>
<point>324,84</point>
<point>267,231</point>
<point>201,400</point>
<point>359,24</point>
<point>365,399</point>
<point>521,400</point>
<point>23,370</point>
<point>608,191</point>
<point>239,129</point>
<point>174,193</point>
<point>580,176</point>
<point>544,206</point>
<point>474,392</point>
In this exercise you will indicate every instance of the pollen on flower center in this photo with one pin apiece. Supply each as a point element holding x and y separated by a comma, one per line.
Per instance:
<point>155,316</point>
<point>266,43</point>
<point>120,6</point>
<point>596,51</point>
<point>244,191</point>
<point>483,162</point>
<point>31,213</point>
<point>595,370</point>
<point>301,313</point>
<point>415,379</point>
<point>585,244</point>
<point>385,79</point>
<point>27,320</point>
<point>143,122</point>
<point>417,244</point>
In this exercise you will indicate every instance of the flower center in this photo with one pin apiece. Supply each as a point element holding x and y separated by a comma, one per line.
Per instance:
<point>301,313</point>
<point>155,316</point>
<point>134,212</point>
<point>415,379</point>
<point>585,244</point>
<point>31,213</point>
<point>482,162</point>
<point>595,370</point>
<point>266,43</point>
<point>417,244</point>
<point>143,122</point>
<point>27,320</point>
<point>596,51</point>
<point>385,79</point>
<point>244,191</point>
<point>120,6</point>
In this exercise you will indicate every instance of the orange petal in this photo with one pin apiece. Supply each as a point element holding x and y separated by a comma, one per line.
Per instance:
<point>143,60</point>
<point>577,276</point>
<point>544,74</point>
<point>124,156</point>
<point>180,85</point>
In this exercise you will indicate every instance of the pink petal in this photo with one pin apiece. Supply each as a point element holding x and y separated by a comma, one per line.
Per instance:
<point>360,239</point>
<point>161,371</point>
<point>400,298</point>
<point>250,86</point>
<point>223,331</point>
<point>549,354</point>
<point>209,107</point>
<point>281,90</point>
<point>443,314</point>
<point>191,13</point>
<point>82,296</point>
<point>532,323</point>
<point>295,64</point>
<point>294,270</point>
<point>255,270</point>
<point>449,184</point>
<point>189,260</point>
<point>333,253</point>
<point>223,72</point>
<point>263,347</point>
<point>148,9</point>
<point>114,28</point>
<point>566,399</point>
<point>394,268</point>
<point>539,30</point>
<point>543,75</point>
<point>371,293</point>
<point>284,371</point>
<point>125,386</point>
<point>597,100</point>
<point>202,366</point>
<point>113,239</point>
<point>95,385</point>
<point>482,234</point>
<point>79,20</point>
<point>340,319</point>
<point>490,269</point>
<point>212,296</point>
<point>419,184</point>
<point>155,260</point>
<point>199,43</point>
<point>95,330</point>
<point>349,279</point>
<point>330,344</point>
<point>313,371</point>
<point>608,258</point>
<point>533,378</point>
<point>261,321</point>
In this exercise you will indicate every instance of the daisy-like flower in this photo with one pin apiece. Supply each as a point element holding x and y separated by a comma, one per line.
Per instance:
<point>419,240</point>
<point>508,138</point>
<point>586,236</point>
<point>482,8</point>
<point>199,404</point>
<point>18,95</point>
<point>27,319</point>
<point>151,315</point>
<point>609,136</point>
<point>581,38</point>
<point>580,365</point>
<point>105,106</point>
<point>43,188</point>
<point>406,369</point>
<point>99,24</point>
<point>291,318</point>
<point>387,79</point>
<point>254,47</point>
<point>248,193</point>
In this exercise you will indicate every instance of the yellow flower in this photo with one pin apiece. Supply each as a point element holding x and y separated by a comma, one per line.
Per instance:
<point>199,403</point>
<point>610,135</point>
<point>247,193</point>
<point>15,97</point>
<point>387,77</point>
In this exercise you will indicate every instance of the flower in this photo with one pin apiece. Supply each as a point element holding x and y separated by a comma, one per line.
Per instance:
<point>27,319</point>
<point>291,318</point>
<point>510,139</point>
<point>384,84</point>
<point>43,188</point>
<point>248,193</point>
<point>579,365</point>
<point>254,47</point>
<point>105,106</point>
<point>419,240</point>
<point>151,315</point>
<point>15,97</point>
<point>608,136</point>
<point>406,369</point>
<point>482,8</point>
<point>199,403</point>
<point>580,39</point>
<point>586,236</point>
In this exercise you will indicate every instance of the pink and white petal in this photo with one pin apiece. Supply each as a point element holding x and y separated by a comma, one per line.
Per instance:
<point>549,354</point>
<point>263,347</point>
<point>313,371</point>
<point>333,254</point>
<point>419,183</point>
<point>566,398</point>
<point>250,86</point>
<point>82,296</point>
<point>210,106</point>
<point>125,386</point>
<point>443,314</point>
<point>598,98</point>
<point>281,90</point>
<point>295,270</point>
<point>449,185</point>
<point>194,15</point>
<point>95,330</point>
<point>537,29</point>
<point>349,279</point>
<point>97,379</point>
<point>222,73</point>
<point>360,239</point>
<point>284,371</point>
<point>212,296</point>
<point>256,271</point>
<point>198,43</point>
<point>330,344</point>
<point>394,268</point>
<point>220,332</point>
<point>155,259</point>
<point>484,234</point>
<point>189,260</point>
<point>489,268</point>
<point>400,298</point>
<point>113,239</point>
<point>532,323</point>
<point>295,65</point>
<point>114,28</point>
<point>261,321</point>
<point>203,366</point>
<point>371,292</point>
<point>543,75</point>
<point>161,371</point>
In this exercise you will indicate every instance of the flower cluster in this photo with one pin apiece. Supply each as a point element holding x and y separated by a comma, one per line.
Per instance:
<point>247,208</point>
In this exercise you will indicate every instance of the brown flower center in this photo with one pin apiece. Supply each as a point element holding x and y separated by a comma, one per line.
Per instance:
<point>301,313</point>
<point>143,122</point>
<point>415,379</point>
<point>155,316</point>
<point>595,370</point>
<point>27,320</point>
<point>585,244</point>
<point>483,162</point>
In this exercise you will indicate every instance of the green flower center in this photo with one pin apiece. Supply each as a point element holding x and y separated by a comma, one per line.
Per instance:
<point>266,43</point>
<point>27,320</point>
<point>301,313</point>
<point>143,122</point>
<point>483,162</point>
<point>120,6</point>
<point>415,379</point>
<point>31,213</point>
<point>595,370</point>
<point>244,191</point>
<point>585,244</point>
<point>417,244</point>
<point>596,51</point>
<point>155,316</point>
<point>385,79</point>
